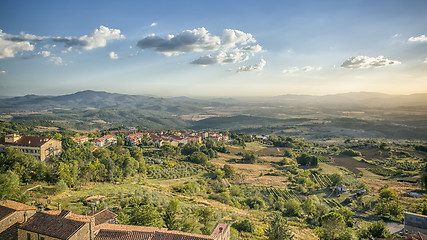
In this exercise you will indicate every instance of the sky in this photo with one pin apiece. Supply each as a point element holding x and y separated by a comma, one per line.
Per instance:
<point>213,48</point>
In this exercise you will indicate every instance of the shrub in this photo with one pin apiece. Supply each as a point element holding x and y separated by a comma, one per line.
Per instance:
<point>245,226</point>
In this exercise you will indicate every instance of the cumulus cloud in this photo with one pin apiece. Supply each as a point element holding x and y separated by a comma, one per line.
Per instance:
<point>2,72</point>
<point>199,40</point>
<point>153,24</point>
<point>255,67</point>
<point>253,49</point>
<point>57,60</point>
<point>9,46</point>
<point>422,38</point>
<point>232,37</point>
<point>222,57</point>
<point>113,55</point>
<point>357,62</point>
<point>301,69</point>
<point>98,38</point>
<point>196,40</point>
<point>43,53</point>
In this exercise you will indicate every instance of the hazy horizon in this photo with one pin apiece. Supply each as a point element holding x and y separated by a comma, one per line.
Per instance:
<point>213,49</point>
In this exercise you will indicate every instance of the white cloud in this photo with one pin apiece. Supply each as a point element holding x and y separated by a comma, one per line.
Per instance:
<point>255,67</point>
<point>254,49</point>
<point>422,38</point>
<point>57,61</point>
<point>9,47</point>
<point>98,38</point>
<point>222,57</point>
<point>3,72</point>
<point>357,62</point>
<point>43,53</point>
<point>153,24</point>
<point>299,69</point>
<point>196,40</point>
<point>290,70</point>
<point>232,37</point>
<point>113,55</point>
<point>425,60</point>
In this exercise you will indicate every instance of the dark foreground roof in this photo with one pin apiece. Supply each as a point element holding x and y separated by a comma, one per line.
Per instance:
<point>10,233</point>
<point>103,216</point>
<point>52,225</point>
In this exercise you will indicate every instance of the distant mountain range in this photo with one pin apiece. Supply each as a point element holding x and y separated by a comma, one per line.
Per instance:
<point>183,105</point>
<point>101,100</point>
<point>361,114</point>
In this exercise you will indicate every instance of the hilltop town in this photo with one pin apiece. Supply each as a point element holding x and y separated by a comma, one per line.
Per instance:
<point>129,182</point>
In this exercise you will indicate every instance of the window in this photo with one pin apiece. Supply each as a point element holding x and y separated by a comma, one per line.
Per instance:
<point>28,236</point>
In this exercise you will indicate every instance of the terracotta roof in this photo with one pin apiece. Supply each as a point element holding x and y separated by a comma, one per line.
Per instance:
<point>10,233</point>
<point>176,235</point>
<point>121,227</point>
<point>16,205</point>
<point>69,215</point>
<point>30,141</point>
<point>129,232</point>
<point>52,225</point>
<point>104,216</point>
<point>123,235</point>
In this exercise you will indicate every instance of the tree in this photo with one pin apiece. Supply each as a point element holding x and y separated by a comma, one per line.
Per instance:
<point>171,213</point>
<point>308,206</point>
<point>198,157</point>
<point>292,208</point>
<point>9,183</point>
<point>229,171</point>
<point>145,215</point>
<point>378,230</point>
<point>249,157</point>
<point>278,228</point>
<point>387,194</point>
<point>245,225</point>
<point>61,186</point>
<point>333,226</point>
<point>336,179</point>
<point>305,159</point>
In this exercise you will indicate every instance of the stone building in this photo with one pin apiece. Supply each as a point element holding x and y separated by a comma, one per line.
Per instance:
<point>21,222</point>
<point>41,147</point>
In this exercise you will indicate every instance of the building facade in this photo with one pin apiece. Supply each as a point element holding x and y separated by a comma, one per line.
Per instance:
<point>42,148</point>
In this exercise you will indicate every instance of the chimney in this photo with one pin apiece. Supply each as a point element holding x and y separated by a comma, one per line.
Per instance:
<point>59,206</point>
<point>25,216</point>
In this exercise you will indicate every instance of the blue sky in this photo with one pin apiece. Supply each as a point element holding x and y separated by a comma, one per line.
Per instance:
<point>213,48</point>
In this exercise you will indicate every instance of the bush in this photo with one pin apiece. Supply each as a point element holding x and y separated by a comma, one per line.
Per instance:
<point>245,226</point>
<point>61,186</point>
<point>350,152</point>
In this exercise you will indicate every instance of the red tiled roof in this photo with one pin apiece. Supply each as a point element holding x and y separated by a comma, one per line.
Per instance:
<point>176,235</point>
<point>121,227</point>
<point>16,205</point>
<point>52,225</point>
<point>30,141</point>
<point>130,232</point>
